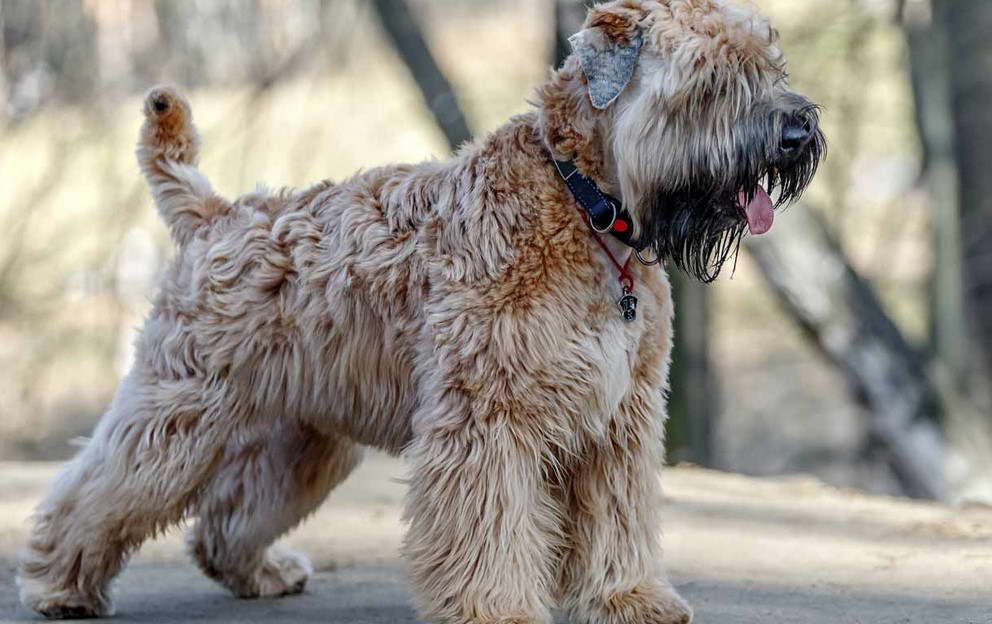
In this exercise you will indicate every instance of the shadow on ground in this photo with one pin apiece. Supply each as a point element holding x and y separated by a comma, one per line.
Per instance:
<point>378,594</point>
<point>742,550</point>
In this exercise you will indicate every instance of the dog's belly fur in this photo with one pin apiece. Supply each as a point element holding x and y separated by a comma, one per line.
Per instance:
<point>334,304</point>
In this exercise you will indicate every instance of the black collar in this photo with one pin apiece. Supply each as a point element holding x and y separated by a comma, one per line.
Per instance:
<point>606,213</point>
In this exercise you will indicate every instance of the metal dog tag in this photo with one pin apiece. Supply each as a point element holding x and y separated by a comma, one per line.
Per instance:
<point>628,307</point>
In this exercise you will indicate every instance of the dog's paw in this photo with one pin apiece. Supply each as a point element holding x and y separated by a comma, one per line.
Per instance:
<point>657,604</point>
<point>57,610</point>
<point>284,572</point>
<point>61,604</point>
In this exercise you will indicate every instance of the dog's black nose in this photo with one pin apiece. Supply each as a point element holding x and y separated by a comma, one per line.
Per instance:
<point>795,136</point>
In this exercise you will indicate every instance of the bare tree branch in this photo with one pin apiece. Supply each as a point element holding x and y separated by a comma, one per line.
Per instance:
<point>408,39</point>
<point>843,317</point>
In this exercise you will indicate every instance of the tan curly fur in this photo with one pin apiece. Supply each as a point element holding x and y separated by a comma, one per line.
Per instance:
<point>457,312</point>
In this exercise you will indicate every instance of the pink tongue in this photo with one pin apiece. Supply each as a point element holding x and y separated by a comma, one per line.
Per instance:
<point>760,212</point>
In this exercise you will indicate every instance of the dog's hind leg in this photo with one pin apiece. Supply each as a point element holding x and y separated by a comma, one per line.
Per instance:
<point>168,150</point>
<point>150,455</point>
<point>262,490</point>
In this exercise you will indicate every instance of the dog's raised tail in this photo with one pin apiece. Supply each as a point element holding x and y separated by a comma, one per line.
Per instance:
<point>168,151</point>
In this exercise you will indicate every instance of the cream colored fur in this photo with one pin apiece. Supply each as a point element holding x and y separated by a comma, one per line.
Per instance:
<point>455,311</point>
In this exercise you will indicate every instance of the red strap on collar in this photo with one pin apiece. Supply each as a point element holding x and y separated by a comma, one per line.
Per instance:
<point>624,276</point>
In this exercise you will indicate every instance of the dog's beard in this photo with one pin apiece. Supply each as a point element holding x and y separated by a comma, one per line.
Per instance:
<point>700,227</point>
<point>697,232</point>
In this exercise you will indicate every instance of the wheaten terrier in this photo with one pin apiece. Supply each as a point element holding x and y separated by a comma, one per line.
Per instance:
<point>463,313</point>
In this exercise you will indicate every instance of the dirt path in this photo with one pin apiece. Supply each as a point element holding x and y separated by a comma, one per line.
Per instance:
<point>742,550</point>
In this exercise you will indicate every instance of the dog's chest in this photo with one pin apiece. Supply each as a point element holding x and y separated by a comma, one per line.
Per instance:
<point>630,357</point>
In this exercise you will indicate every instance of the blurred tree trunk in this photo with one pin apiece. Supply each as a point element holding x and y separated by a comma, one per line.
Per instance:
<point>569,15</point>
<point>693,400</point>
<point>3,66</point>
<point>968,26</point>
<point>70,49</point>
<point>49,50</point>
<point>842,316</point>
<point>951,68</point>
<point>173,24</point>
<point>939,172</point>
<point>407,38</point>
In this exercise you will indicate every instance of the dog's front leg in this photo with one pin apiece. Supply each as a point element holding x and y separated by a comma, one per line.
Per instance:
<point>612,572</point>
<point>482,524</point>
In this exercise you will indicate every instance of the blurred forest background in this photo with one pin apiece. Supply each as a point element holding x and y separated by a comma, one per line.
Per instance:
<point>853,342</point>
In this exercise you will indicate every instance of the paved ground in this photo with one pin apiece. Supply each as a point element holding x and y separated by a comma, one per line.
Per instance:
<point>742,550</point>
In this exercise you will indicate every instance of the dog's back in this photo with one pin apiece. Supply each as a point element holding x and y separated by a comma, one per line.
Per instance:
<point>316,303</point>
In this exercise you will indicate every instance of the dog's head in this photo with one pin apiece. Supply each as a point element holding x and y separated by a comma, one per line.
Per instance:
<point>687,104</point>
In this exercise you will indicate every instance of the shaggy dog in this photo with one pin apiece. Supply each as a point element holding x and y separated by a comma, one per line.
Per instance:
<point>462,313</point>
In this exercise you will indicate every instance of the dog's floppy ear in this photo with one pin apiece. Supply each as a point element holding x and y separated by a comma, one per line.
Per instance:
<point>608,49</point>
